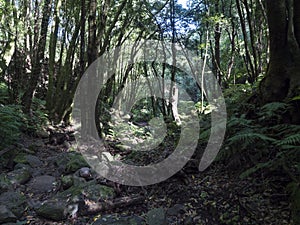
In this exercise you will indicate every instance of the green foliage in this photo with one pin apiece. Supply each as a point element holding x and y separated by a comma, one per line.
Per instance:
<point>39,117</point>
<point>292,140</point>
<point>10,123</point>
<point>13,122</point>
<point>273,112</point>
<point>3,93</point>
<point>258,137</point>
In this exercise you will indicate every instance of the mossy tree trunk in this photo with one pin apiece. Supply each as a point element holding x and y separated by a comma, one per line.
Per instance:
<point>282,81</point>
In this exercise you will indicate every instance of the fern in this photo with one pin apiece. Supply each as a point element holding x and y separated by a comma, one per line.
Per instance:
<point>248,138</point>
<point>272,112</point>
<point>254,169</point>
<point>10,124</point>
<point>274,108</point>
<point>290,140</point>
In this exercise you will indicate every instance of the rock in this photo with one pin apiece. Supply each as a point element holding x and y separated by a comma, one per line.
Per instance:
<point>14,201</point>
<point>97,191</point>
<point>5,183</point>
<point>176,210</point>
<point>53,209</point>
<point>21,158</point>
<point>85,172</point>
<point>156,217</point>
<point>42,134</point>
<point>6,215</point>
<point>34,161</point>
<point>70,162</point>
<point>91,190</point>
<point>67,181</point>
<point>42,184</point>
<point>19,176</point>
<point>109,220</point>
<point>188,221</point>
<point>22,166</point>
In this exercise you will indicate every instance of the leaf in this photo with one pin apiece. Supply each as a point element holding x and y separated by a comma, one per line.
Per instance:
<point>257,167</point>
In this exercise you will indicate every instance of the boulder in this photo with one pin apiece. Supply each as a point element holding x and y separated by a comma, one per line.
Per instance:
<point>42,184</point>
<point>5,183</point>
<point>19,176</point>
<point>14,201</point>
<point>53,210</point>
<point>91,190</point>
<point>70,162</point>
<point>111,220</point>
<point>67,181</point>
<point>6,216</point>
<point>156,217</point>
<point>176,210</point>
<point>34,161</point>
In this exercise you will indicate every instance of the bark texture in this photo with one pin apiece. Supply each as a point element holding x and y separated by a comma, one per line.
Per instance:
<point>282,80</point>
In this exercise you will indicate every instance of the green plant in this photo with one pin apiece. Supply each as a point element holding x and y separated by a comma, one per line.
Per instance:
<point>11,118</point>
<point>37,119</point>
<point>3,93</point>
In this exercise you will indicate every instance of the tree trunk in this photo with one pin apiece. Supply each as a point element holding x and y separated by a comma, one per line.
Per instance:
<point>39,57</point>
<point>282,80</point>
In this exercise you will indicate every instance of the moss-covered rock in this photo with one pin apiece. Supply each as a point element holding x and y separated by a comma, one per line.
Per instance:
<point>19,176</point>
<point>6,216</point>
<point>70,162</point>
<point>110,220</point>
<point>156,217</point>
<point>14,201</point>
<point>54,210</point>
<point>67,181</point>
<point>21,158</point>
<point>91,191</point>
<point>5,183</point>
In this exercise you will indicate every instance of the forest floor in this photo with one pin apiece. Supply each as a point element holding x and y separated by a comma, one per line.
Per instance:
<point>215,196</point>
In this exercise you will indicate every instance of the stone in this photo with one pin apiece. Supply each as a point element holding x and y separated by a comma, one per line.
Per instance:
<point>91,190</point>
<point>14,201</point>
<point>176,210</point>
<point>110,220</point>
<point>21,158</point>
<point>67,181</point>
<point>70,162</point>
<point>22,166</point>
<point>53,210</point>
<point>97,191</point>
<point>42,134</point>
<point>42,184</point>
<point>5,183</point>
<point>19,176</point>
<point>6,216</point>
<point>85,172</point>
<point>156,217</point>
<point>34,161</point>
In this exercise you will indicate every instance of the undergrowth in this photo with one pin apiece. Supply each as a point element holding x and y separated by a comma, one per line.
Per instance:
<point>259,140</point>
<point>13,121</point>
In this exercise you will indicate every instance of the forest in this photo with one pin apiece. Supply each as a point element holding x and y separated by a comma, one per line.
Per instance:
<point>150,112</point>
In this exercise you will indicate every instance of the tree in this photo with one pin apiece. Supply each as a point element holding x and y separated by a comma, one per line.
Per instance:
<point>38,58</point>
<point>282,79</point>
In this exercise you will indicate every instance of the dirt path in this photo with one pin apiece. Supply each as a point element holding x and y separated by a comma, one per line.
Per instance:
<point>215,196</point>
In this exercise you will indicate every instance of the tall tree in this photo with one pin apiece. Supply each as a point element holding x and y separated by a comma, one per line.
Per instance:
<point>282,80</point>
<point>38,58</point>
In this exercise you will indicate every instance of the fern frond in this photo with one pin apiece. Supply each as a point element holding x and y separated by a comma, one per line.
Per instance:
<point>274,107</point>
<point>290,140</point>
<point>249,138</point>
<point>272,110</point>
<point>254,169</point>
<point>239,122</point>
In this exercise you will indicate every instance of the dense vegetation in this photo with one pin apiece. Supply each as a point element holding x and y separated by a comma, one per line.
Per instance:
<point>251,46</point>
